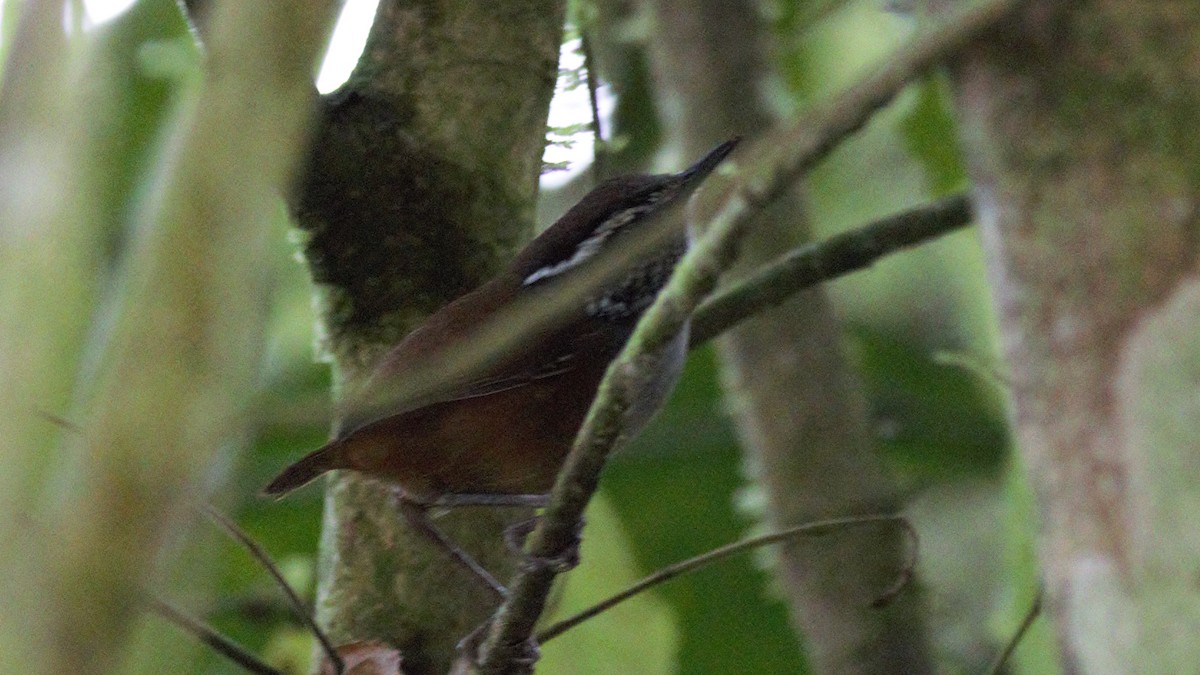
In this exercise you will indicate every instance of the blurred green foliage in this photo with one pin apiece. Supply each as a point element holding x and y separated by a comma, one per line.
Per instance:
<point>151,54</point>
<point>936,420</point>
<point>675,491</point>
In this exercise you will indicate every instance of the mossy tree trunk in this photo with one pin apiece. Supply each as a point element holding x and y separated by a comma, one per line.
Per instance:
<point>420,186</point>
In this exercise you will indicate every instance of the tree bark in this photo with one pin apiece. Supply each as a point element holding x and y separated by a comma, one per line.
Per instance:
<point>420,186</point>
<point>1079,125</point>
<point>799,410</point>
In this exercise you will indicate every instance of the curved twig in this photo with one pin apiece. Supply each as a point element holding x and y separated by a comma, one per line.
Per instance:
<point>669,572</point>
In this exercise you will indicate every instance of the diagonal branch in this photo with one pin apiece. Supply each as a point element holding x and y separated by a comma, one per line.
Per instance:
<point>798,149</point>
<point>814,263</point>
<point>208,635</point>
<point>297,605</point>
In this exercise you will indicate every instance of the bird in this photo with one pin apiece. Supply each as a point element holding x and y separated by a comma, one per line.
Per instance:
<point>507,429</point>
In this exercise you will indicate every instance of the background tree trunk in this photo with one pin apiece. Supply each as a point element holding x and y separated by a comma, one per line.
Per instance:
<point>161,392</point>
<point>1078,122</point>
<point>420,186</point>
<point>799,410</point>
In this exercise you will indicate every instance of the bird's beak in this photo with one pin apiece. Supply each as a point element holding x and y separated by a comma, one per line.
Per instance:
<point>696,173</point>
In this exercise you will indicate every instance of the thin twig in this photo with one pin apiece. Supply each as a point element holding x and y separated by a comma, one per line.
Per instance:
<point>58,421</point>
<point>795,151</point>
<point>298,607</point>
<point>691,564</point>
<point>814,263</point>
<point>907,571</point>
<point>209,636</point>
<point>1034,611</point>
<point>598,149</point>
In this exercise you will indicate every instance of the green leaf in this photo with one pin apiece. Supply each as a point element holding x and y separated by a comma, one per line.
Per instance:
<point>931,134</point>
<point>937,418</point>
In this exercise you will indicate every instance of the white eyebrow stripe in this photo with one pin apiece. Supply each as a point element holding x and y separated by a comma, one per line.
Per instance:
<point>588,247</point>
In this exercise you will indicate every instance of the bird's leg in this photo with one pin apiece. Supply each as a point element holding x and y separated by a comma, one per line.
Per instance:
<point>514,535</point>
<point>417,515</point>
<point>452,501</point>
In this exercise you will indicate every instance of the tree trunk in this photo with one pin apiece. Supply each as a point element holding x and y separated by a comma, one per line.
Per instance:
<point>1079,126</point>
<point>800,412</point>
<point>421,184</point>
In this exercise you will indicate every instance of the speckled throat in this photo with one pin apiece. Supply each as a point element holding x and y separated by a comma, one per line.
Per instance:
<point>629,296</point>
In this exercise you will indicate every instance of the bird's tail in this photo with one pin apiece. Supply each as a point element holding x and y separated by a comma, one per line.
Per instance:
<point>304,471</point>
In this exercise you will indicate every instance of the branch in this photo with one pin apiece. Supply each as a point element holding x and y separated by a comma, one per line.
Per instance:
<point>599,151</point>
<point>297,605</point>
<point>839,255</point>
<point>176,345</point>
<point>798,150</point>
<point>211,637</point>
<point>1035,610</point>
<point>813,529</point>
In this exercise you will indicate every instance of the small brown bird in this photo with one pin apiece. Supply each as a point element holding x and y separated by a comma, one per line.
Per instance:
<point>505,433</point>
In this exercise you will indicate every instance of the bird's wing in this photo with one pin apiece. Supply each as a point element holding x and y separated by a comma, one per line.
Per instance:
<point>494,384</point>
<point>497,381</point>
